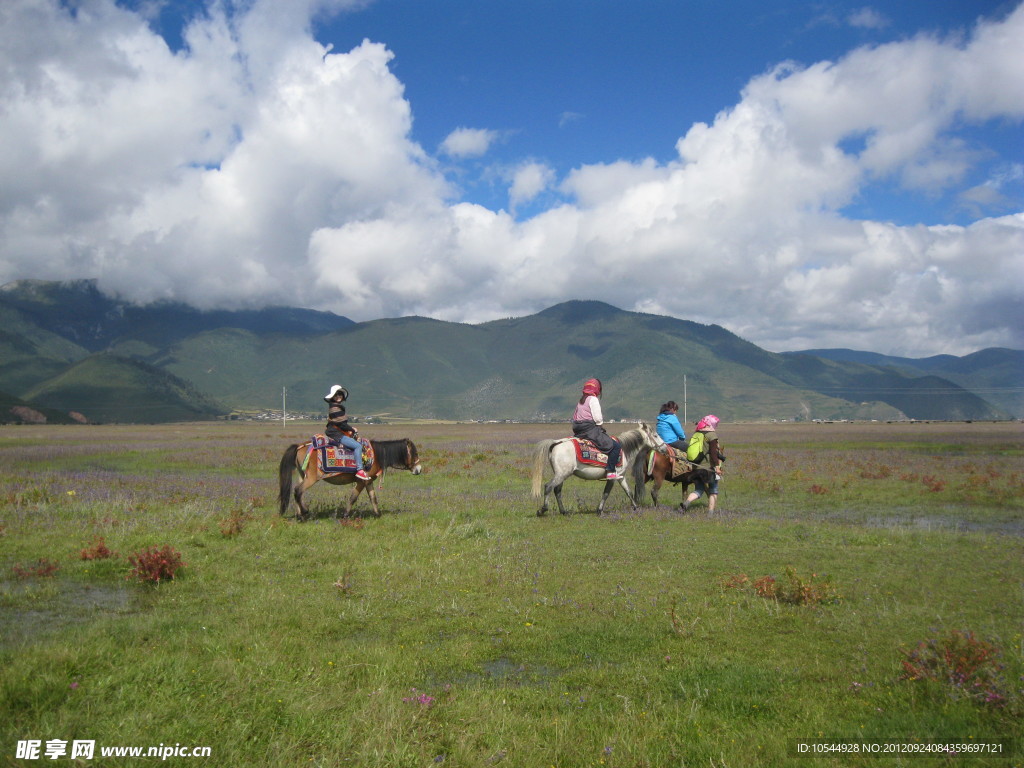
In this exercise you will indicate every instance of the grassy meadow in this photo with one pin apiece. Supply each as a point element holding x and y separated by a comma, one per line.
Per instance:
<point>459,629</point>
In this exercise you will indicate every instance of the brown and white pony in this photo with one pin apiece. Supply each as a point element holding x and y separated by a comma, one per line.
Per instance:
<point>387,454</point>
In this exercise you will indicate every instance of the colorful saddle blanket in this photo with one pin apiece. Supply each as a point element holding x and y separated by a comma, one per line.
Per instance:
<point>588,453</point>
<point>338,458</point>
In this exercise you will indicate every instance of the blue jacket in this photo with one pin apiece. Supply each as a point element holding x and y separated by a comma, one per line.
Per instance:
<point>669,428</point>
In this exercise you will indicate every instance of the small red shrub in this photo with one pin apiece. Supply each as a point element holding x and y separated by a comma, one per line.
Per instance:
<point>796,589</point>
<point>98,551</point>
<point>736,581</point>
<point>765,587</point>
<point>877,472</point>
<point>966,664</point>
<point>41,569</point>
<point>155,564</point>
<point>236,522</point>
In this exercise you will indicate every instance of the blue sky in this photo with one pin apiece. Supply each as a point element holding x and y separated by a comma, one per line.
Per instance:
<point>590,81</point>
<point>819,174</point>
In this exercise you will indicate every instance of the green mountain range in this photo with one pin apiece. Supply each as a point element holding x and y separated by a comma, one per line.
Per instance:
<point>996,374</point>
<point>67,347</point>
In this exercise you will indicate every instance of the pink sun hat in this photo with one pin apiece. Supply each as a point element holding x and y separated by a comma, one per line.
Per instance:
<point>708,422</point>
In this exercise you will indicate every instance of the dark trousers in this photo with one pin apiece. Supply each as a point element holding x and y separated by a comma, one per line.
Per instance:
<point>596,434</point>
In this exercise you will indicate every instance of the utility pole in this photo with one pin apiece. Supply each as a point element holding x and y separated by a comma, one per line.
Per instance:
<point>284,405</point>
<point>685,421</point>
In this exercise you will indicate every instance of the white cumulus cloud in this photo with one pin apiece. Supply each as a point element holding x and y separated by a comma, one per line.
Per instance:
<point>867,18</point>
<point>468,142</point>
<point>528,181</point>
<point>258,166</point>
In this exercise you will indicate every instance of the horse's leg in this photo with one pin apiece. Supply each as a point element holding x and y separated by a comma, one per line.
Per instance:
<point>372,493</point>
<point>308,478</point>
<point>352,498</point>
<point>659,477</point>
<point>558,498</point>
<point>544,499</point>
<point>301,488</point>
<point>683,506</point>
<point>665,473</point>
<point>554,484</point>
<point>629,494</point>
<point>560,475</point>
<point>608,485</point>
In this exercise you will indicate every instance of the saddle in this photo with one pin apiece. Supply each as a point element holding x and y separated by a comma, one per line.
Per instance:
<point>680,465</point>
<point>588,453</point>
<point>335,457</point>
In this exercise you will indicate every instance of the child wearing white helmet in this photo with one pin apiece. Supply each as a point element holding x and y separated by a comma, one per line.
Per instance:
<point>340,431</point>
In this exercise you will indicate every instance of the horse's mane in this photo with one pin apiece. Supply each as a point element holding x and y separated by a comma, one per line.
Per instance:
<point>631,441</point>
<point>393,453</point>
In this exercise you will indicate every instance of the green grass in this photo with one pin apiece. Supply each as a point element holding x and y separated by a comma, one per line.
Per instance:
<point>459,629</point>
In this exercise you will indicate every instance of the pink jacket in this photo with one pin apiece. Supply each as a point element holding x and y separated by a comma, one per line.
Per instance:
<point>589,410</point>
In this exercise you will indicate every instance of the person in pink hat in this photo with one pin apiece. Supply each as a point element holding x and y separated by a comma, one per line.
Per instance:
<point>711,454</point>
<point>587,421</point>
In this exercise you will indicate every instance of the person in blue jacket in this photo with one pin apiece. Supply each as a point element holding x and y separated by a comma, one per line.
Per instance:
<point>669,428</point>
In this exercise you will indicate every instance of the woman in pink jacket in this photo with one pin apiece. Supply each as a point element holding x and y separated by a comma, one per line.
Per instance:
<point>587,421</point>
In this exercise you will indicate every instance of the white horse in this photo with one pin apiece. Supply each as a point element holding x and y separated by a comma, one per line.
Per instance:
<point>560,455</point>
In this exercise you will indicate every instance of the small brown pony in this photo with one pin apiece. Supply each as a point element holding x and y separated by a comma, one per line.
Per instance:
<point>387,454</point>
<point>662,469</point>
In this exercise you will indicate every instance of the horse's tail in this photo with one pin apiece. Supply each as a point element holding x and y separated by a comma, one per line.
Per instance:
<point>285,474</point>
<point>643,460</point>
<point>539,460</point>
<point>639,472</point>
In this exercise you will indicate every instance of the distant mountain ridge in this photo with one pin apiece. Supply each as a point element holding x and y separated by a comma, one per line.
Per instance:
<point>996,374</point>
<point>79,312</point>
<point>66,346</point>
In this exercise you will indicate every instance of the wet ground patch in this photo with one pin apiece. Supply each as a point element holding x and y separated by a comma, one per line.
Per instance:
<point>43,608</point>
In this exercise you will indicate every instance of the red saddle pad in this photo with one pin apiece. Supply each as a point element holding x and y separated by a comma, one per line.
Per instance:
<point>588,453</point>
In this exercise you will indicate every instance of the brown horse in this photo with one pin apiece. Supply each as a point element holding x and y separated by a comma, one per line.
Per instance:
<point>387,454</point>
<point>662,469</point>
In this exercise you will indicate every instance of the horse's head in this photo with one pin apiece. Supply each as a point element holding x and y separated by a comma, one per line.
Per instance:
<point>397,454</point>
<point>412,457</point>
<point>652,439</point>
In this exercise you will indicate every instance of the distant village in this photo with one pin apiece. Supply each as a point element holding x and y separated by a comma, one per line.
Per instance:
<point>272,415</point>
<point>278,416</point>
